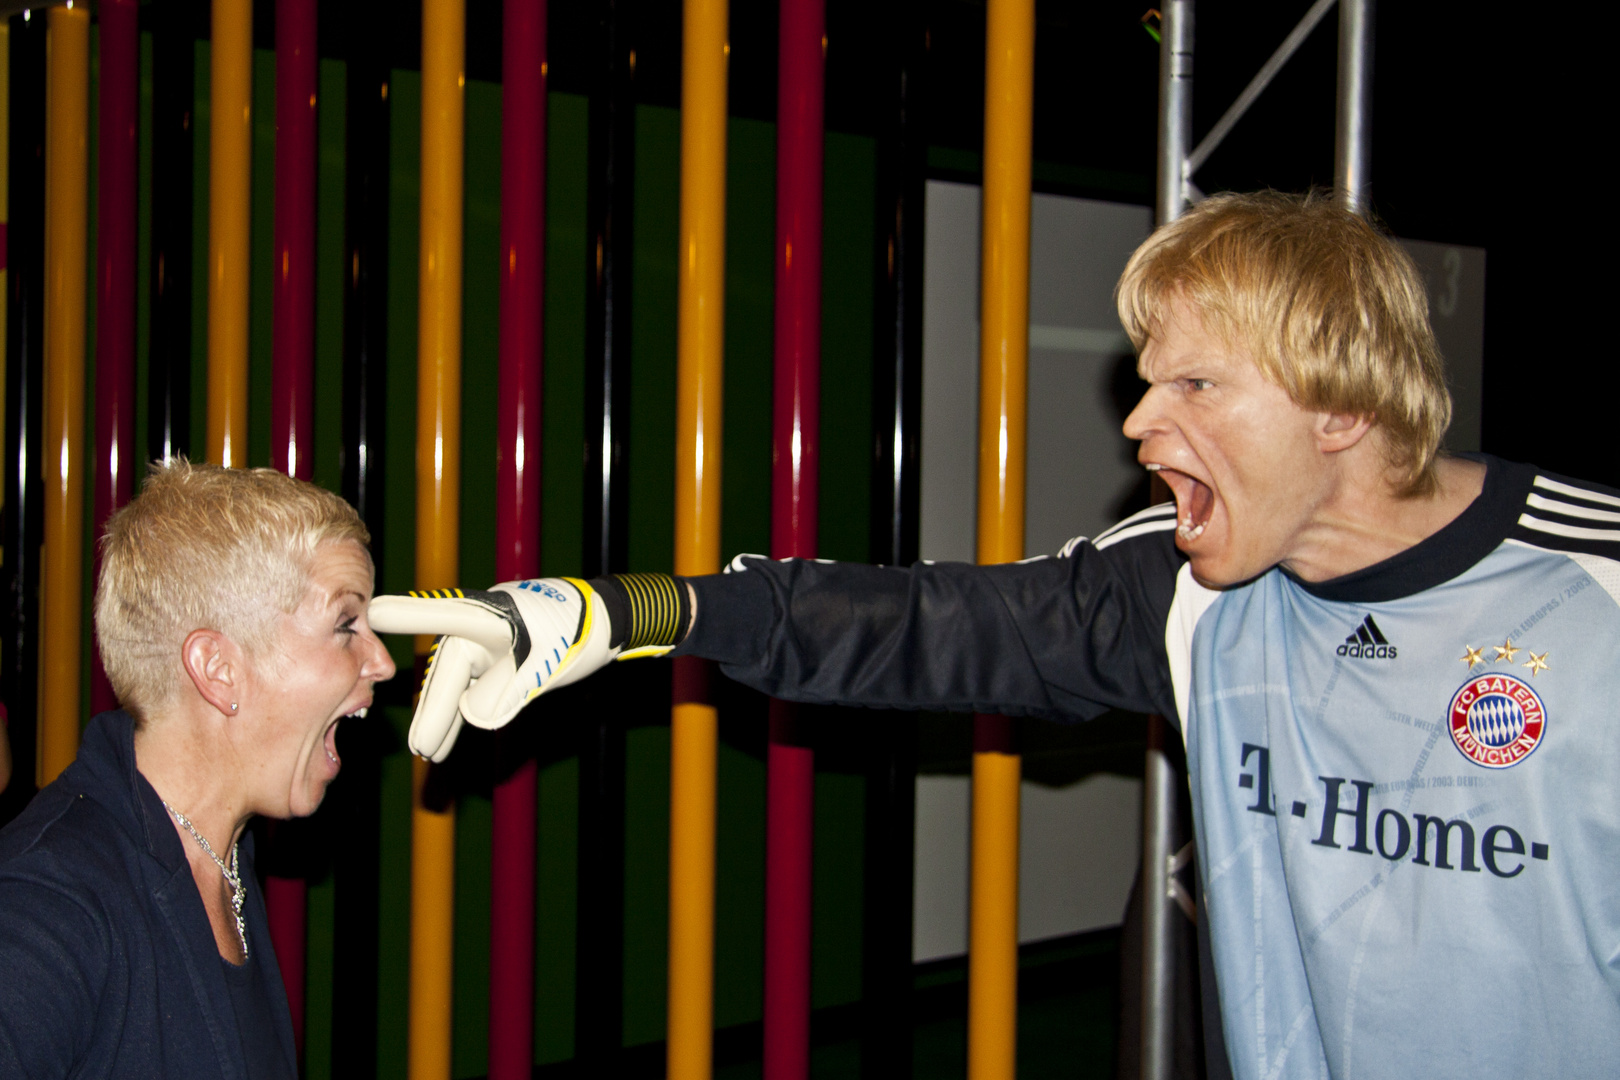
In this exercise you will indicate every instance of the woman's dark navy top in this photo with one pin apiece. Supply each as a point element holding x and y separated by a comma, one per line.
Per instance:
<point>108,965</point>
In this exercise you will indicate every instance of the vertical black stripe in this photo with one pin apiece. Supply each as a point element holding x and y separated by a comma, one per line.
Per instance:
<point>610,205</point>
<point>24,521</point>
<point>891,779</point>
<point>356,799</point>
<point>168,427</point>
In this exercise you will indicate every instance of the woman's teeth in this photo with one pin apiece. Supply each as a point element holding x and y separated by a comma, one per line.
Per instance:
<point>1187,530</point>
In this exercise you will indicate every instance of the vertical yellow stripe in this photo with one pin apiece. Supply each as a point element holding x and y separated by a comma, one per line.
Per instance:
<point>67,170</point>
<point>701,348</point>
<point>230,164</point>
<point>1003,382</point>
<point>438,472</point>
<point>1004,282</point>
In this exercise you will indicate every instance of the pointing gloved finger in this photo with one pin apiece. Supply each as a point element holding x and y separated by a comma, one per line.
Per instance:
<point>454,616</point>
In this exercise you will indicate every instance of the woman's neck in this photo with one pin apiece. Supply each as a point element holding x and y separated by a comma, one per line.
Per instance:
<point>195,776</point>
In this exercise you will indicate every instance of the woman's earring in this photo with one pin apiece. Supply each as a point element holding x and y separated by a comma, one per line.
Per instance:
<point>233,706</point>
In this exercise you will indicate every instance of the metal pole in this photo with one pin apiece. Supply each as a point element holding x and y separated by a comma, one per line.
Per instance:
<point>1158,969</point>
<point>230,178</point>
<point>517,511</point>
<point>1159,775</point>
<point>1009,92</point>
<point>790,757</point>
<point>292,383</point>
<point>1175,108</point>
<point>438,504</point>
<point>694,722</point>
<point>1352,143</point>
<point>67,179</point>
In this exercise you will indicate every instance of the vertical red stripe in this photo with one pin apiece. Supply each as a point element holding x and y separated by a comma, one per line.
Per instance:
<point>293,370</point>
<point>517,510</point>
<point>115,284</point>
<point>293,294</point>
<point>790,768</point>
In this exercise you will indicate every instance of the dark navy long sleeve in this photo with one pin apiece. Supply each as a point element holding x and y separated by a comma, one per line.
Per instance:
<point>1064,637</point>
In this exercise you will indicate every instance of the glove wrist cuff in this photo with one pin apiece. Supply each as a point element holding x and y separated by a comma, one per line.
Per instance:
<point>644,609</point>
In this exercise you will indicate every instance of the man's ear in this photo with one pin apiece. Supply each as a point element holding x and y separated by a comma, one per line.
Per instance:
<point>215,666</point>
<point>1341,431</point>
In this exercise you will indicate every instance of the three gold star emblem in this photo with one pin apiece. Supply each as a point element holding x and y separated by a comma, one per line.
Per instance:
<point>1506,651</point>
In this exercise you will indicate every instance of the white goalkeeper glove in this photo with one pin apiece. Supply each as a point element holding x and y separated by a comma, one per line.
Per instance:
<point>500,649</point>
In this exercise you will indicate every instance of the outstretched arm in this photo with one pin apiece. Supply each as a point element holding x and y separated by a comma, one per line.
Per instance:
<point>1064,637</point>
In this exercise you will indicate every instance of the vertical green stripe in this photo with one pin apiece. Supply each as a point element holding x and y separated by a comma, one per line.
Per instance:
<point>563,431</point>
<point>745,501</point>
<point>847,238</point>
<point>562,437</point>
<point>557,871</point>
<point>654,284</point>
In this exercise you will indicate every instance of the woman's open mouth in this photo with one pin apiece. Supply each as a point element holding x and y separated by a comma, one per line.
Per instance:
<point>1195,502</point>
<point>329,741</point>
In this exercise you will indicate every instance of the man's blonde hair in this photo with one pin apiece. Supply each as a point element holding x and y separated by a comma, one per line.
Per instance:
<point>1332,311</point>
<point>204,547</point>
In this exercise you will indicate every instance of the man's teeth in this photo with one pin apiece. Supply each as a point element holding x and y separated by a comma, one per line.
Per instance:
<point>1153,467</point>
<point>1188,531</point>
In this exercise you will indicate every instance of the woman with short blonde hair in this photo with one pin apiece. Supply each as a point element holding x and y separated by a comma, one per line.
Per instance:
<point>231,615</point>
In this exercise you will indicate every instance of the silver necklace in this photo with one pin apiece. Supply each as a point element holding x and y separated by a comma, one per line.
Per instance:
<point>232,878</point>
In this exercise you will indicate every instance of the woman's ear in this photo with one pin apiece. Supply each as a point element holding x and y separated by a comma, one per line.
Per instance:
<point>215,666</point>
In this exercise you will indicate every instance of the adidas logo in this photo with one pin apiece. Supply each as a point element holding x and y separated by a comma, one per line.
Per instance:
<point>1367,642</point>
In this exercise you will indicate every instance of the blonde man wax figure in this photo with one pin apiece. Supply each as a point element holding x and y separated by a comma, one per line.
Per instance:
<point>1394,669</point>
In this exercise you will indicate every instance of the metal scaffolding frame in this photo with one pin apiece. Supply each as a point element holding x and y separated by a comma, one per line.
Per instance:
<point>1174,192</point>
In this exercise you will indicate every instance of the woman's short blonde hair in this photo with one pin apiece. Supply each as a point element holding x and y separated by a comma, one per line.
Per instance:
<point>204,547</point>
<point>1332,310</point>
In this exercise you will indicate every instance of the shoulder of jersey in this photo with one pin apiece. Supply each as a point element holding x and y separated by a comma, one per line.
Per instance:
<point>1159,518</point>
<point>1570,515</point>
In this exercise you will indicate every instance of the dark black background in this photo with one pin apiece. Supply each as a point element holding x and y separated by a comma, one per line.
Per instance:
<point>1487,132</point>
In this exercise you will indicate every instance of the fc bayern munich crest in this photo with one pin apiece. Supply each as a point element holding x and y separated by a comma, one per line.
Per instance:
<point>1496,720</point>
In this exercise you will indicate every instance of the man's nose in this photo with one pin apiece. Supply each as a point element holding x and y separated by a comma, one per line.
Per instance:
<point>1147,418</point>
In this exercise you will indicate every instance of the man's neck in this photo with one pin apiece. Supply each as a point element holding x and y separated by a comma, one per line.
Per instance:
<point>1366,523</point>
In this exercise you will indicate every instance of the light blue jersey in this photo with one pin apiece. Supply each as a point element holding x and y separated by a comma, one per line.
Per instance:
<point>1407,810</point>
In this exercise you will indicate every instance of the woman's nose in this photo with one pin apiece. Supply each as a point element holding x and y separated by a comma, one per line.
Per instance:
<point>380,668</point>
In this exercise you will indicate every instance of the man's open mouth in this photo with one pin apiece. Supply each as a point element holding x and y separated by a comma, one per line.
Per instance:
<point>1195,502</point>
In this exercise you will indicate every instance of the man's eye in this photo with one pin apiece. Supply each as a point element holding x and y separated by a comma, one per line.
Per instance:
<point>1199,384</point>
